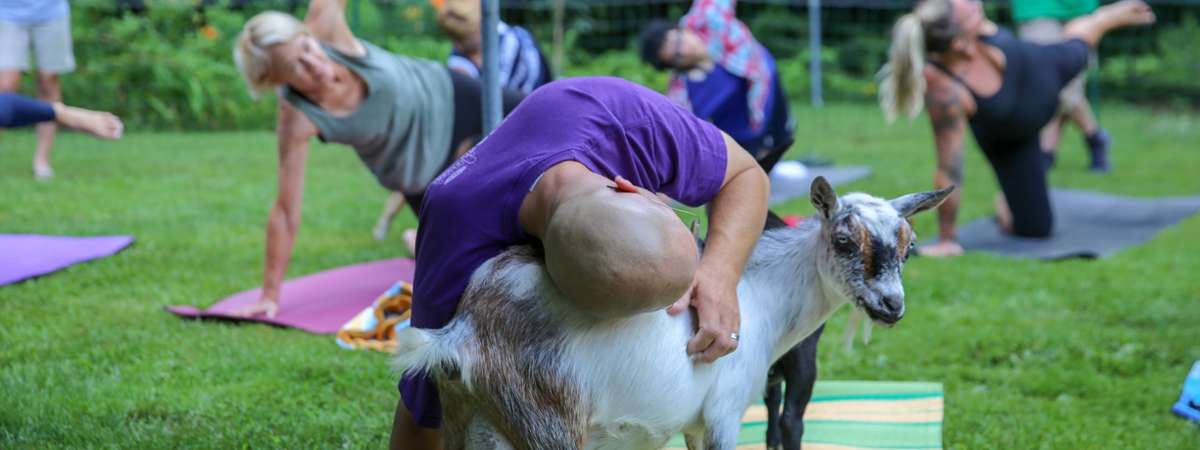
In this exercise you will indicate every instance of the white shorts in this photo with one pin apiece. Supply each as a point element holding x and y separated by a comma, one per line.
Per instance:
<point>51,42</point>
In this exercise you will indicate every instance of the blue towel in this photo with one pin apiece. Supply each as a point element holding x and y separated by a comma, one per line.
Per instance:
<point>1188,405</point>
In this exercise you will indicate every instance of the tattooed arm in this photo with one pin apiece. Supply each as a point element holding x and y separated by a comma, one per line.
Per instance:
<point>948,117</point>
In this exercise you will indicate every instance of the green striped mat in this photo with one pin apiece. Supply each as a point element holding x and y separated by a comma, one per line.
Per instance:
<point>858,414</point>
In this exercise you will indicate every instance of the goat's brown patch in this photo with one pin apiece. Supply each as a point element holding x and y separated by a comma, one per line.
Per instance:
<point>903,239</point>
<point>865,249</point>
<point>516,385</point>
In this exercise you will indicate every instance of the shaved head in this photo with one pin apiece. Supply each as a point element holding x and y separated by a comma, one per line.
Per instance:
<point>616,253</point>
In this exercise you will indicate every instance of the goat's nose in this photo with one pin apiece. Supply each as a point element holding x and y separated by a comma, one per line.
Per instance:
<point>894,305</point>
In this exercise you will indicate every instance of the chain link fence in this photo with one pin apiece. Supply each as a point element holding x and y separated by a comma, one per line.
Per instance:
<point>167,63</point>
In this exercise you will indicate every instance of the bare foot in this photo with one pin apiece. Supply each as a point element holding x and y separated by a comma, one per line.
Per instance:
<point>266,307</point>
<point>1003,214</point>
<point>42,172</point>
<point>941,249</point>
<point>97,123</point>
<point>410,241</point>
<point>380,231</point>
<point>1129,13</point>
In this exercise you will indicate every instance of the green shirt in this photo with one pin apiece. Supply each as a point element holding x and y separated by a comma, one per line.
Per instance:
<point>1052,9</point>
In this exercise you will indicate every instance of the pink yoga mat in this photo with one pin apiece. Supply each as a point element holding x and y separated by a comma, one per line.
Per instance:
<point>318,303</point>
<point>24,256</point>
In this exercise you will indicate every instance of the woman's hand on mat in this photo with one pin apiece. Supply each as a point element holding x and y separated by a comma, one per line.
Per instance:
<point>941,249</point>
<point>715,301</point>
<point>266,307</point>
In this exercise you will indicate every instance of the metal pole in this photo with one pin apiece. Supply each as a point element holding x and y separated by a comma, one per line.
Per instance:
<point>814,48</point>
<point>559,6</point>
<point>492,112</point>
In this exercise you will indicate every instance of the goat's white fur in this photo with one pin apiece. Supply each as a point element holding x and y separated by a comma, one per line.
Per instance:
<point>638,383</point>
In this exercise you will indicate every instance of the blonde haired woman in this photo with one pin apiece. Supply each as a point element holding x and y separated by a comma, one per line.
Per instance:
<point>1006,89</point>
<point>406,118</point>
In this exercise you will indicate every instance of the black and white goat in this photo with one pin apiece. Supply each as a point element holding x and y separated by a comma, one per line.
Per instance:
<point>519,368</point>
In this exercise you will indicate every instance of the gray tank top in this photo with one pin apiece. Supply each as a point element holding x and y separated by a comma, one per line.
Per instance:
<point>401,130</point>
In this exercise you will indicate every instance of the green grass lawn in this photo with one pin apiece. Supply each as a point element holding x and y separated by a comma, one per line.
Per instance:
<point>1072,354</point>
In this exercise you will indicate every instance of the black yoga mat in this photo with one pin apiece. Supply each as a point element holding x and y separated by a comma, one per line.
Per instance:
<point>1086,225</point>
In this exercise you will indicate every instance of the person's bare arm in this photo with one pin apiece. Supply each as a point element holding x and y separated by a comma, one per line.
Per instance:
<point>327,21</point>
<point>948,117</point>
<point>736,223</point>
<point>293,131</point>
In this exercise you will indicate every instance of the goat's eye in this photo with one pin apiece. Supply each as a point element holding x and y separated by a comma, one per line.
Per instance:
<point>842,241</point>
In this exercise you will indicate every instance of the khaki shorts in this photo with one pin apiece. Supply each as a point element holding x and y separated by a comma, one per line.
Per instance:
<point>51,42</point>
<point>1050,31</point>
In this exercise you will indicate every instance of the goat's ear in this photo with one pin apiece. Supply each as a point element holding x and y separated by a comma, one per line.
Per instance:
<point>823,197</point>
<point>910,204</point>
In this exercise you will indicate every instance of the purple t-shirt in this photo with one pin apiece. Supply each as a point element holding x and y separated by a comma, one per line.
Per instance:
<point>470,214</point>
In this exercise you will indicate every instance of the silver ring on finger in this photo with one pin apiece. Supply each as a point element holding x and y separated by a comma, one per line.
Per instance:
<point>734,336</point>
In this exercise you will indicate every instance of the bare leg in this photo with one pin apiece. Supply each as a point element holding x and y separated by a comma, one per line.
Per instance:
<point>1092,27</point>
<point>1051,136</point>
<point>407,435</point>
<point>50,92</point>
<point>100,124</point>
<point>1083,117</point>
<point>9,80</point>
<point>391,207</point>
<point>410,241</point>
<point>1003,213</point>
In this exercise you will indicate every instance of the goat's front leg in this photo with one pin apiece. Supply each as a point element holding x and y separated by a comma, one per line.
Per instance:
<point>722,434</point>
<point>772,399</point>
<point>800,375</point>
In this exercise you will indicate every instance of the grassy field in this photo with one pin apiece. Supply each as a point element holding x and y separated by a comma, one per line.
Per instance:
<point>1073,354</point>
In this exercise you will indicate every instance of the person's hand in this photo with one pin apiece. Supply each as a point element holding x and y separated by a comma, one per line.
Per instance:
<point>266,306</point>
<point>716,304</point>
<point>941,249</point>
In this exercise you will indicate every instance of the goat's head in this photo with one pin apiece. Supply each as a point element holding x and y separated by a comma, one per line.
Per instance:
<point>869,240</point>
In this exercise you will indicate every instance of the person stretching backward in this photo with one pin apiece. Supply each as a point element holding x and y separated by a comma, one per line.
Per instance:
<point>577,168</point>
<point>946,54</point>
<point>406,118</point>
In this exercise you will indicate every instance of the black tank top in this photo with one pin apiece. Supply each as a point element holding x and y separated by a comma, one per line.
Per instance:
<point>1027,98</point>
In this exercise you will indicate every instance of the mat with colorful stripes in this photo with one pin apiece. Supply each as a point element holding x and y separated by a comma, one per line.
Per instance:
<point>858,415</point>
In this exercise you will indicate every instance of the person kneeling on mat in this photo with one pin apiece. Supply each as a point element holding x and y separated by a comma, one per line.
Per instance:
<point>406,118</point>
<point>577,168</point>
<point>724,76</point>
<point>1006,89</point>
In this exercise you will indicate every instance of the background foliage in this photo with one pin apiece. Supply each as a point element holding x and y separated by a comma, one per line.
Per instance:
<point>168,65</point>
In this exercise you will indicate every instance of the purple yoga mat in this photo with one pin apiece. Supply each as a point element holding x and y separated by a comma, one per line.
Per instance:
<point>318,303</point>
<point>24,256</point>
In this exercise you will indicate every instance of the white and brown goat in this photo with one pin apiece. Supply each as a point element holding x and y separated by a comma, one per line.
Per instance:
<point>519,368</point>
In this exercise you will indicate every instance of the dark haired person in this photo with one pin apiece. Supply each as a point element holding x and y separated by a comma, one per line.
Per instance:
<point>724,76</point>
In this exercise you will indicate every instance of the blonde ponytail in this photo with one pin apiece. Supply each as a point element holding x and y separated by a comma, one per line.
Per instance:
<point>902,79</point>
<point>929,28</point>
